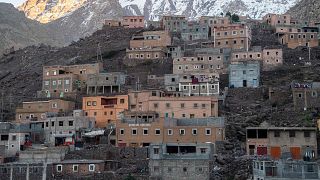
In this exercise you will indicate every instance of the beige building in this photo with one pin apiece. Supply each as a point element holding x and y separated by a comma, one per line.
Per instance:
<point>173,23</point>
<point>133,21</point>
<point>293,40</point>
<point>146,53</point>
<point>214,21</point>
<point>174,107</point>
<point>144,128</point>
<point>282,142</point>
<point>40,110</point>
<point>277,19</point>
<point>112,23</point>
<point>234,36</point>
<point>60,81</point>
<point>151,39</point>
<point>269,57</point>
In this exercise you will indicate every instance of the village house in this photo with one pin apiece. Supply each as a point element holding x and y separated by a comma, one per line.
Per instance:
<point>282,142</point>
<point>285,170</point>
<point>151,39</point>
<point>234,36</point>
<point>294,37</point>
<point>105,109</point>
<point>147,53</point>
<point>174,107</point>
<point>244,74</point>
<point>78,167</point>
<point>277,19</point>
<point>60,81</point>
<point>113,23</point>
<point>105,83</point>
<point>183,160</point>
<point>214,21</point>
<point>306,95</point>
<point>40,110</point>
<point>138,129</point>
<point>153,24</point>
<point>133,21</point>
<point>195,31</point>
<point>269,57</point>
<point>173,23</point>
<point>12,139</point>
<point>206,84</point>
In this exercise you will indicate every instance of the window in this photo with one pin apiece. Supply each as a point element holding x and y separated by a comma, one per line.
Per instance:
<point>52,124</point>
<point>170,132</point>
<point>169,169</point>
<point>60,123</point>
<point>70,123</point>
<point>191,115</point>
<point>95,113</point>
<point>4,137</point>
<point>195,105</point>
<point>75,168</point>
<point>47,124</point>
<point>182,132</point>
<point>156,168</point>
<point>121,131</point>
<point>122,101</point>
<point>54,83</point>
<point>155,150</point>
<point>54,105</point>
<point>92,167</point>
<point>94,103</point>
<point>182,105</point>
<point>203,106</point>
<point>194,131</point>
<point>244,72</point>
<point>134,131</point>
<point>155,105</point>
<point>307,134</point>
<point>203,150</point>
<point>276,133</point>
<point>292,134</point>
<point>208,131</point>
<point>67,81</point>
<point>168,105</point>
<point>157,132</point>
<point>184,169</point>
<point>59,82</point>
<point>59,168</point>
<point>179,67</point>
<point>13,137</point>
<point>314,94</point>
<point>145,131</point>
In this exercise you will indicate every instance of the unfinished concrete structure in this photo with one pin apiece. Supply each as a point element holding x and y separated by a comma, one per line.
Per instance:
<point>176,161</point>
<point>133,21</point>
<point>151,39</point>
<point>285,170</point>
<point>28,171</point>
<point>306,95</point>
<point>41,154</point>
<point>282,142</point>
<point>143,128</point>
<point>195,31</point>
<point>173,23</point>
<point>105,83</point>
<point>40,110</point>
<point>214,21</point>
<point>244,74</point>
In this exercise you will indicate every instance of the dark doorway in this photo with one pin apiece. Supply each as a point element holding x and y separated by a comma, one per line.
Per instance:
<point>244,83</point>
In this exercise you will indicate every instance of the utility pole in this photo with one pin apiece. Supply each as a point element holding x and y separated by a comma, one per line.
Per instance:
<point>309,52</point>
<point>2,106</point>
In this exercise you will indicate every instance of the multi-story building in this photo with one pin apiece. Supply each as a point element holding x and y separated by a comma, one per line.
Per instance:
<point>285,170</point>
<point>133,21</point>
<point>181,161</point>
<point>282,142</point>
<point>195,31</point>
<point>12,139</point>
<point>295,39</point>
<point>105,109</point>
<point>214,21</point>
<point>151,39</point>
<point>66,130</point>
<point>174,106</point>
<point>147,53</point>
<point>60,81</point>
<point>306,95</point>
<point>113,23</point>
<point>105,83</point>
<point>173,23</point>
<point>234,36</point>
<point>244,74</point>
<point>206,84</point>
<point>269,57</point>
<point>40,110</point>
<point>144,128</point>
<point>277,19</point>
<point>78,168</point>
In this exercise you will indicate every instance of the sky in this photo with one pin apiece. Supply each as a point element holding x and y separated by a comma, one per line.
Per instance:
<point>14,2</point>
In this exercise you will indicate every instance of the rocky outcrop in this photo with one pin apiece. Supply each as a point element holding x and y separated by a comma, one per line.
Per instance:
<point>306,10</point>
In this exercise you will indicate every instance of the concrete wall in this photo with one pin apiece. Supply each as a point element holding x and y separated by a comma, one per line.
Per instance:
<point>244,74</point>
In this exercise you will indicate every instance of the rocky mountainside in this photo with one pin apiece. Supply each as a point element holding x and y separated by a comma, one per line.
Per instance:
<point>307,10</point>
<point>48,10</point>
<point>152,9</point>
<point>18,31</point>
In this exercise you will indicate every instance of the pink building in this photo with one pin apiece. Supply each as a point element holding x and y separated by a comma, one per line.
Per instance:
<point>133,21</point>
